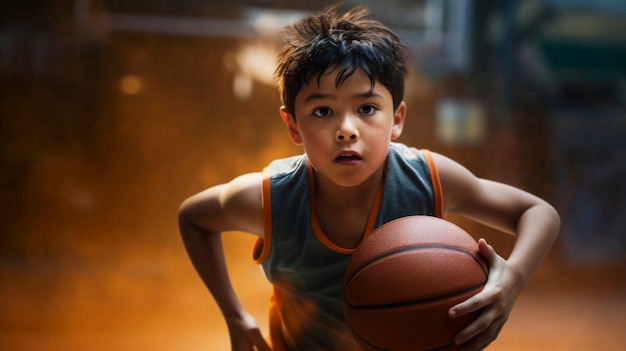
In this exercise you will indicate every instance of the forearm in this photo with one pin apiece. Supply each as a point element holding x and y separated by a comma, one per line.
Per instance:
<point>207,256</point>
<point>536,231</point>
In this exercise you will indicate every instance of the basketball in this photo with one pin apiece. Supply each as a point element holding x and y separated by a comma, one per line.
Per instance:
<point>403,279</point>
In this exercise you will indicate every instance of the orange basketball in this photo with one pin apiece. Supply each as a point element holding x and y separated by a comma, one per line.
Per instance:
<point>404,278</point>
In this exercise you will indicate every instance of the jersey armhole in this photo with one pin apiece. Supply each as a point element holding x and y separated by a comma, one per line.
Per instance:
<point>263,245</point>
<point>436,182</point>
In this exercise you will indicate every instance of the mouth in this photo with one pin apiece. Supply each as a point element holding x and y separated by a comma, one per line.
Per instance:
<point>348,156</point>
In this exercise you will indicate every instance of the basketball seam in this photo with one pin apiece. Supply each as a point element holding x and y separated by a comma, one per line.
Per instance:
<point>416,247</point>
<point>416,302</point>
<point>413,248</point>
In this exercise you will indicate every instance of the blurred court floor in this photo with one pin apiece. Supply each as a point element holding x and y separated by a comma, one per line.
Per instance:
<point>152,300</point>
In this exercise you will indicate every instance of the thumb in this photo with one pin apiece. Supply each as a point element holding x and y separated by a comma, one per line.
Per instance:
<point>487,251</point>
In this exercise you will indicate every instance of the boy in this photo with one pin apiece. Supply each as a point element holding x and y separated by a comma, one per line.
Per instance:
<point>341,79</point>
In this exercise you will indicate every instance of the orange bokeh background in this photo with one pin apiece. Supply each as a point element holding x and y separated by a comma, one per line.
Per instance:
<point>112,130</point>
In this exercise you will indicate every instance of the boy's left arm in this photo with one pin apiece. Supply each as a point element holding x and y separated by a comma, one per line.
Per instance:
<point>534,222</point>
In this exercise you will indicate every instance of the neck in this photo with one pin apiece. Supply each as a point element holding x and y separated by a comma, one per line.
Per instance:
<point>330,193</point>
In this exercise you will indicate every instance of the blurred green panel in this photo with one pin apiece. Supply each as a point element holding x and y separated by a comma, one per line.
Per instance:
<point>593,61</point>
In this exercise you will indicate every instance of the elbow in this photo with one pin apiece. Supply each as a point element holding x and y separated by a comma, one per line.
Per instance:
<point>548,218</point>
<point>197,214</point>
<point>186,217</point>
<point>183,211</point>
<point>555,220</point>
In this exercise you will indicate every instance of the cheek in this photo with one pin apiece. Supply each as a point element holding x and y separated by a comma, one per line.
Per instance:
<point>313,142</point>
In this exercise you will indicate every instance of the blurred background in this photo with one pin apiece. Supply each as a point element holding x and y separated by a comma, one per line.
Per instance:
<point>112,112</point>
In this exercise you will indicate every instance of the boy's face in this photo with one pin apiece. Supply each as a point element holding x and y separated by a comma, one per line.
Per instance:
<point>345,131</point>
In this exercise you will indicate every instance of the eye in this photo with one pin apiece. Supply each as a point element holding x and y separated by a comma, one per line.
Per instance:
<point>367,109</point>
<point>322,112</point>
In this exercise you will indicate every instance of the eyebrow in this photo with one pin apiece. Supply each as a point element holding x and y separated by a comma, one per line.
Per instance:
<point>320,96</point>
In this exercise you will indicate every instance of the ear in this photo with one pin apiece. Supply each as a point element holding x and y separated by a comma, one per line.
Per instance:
<point>398,121</point>
<point>290,121</point>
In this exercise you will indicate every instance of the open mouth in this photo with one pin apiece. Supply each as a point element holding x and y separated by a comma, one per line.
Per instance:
<point>348,157</point>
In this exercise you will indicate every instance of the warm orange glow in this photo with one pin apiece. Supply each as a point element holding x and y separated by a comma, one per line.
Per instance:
<point>91,181</point>
<point>131,85</point>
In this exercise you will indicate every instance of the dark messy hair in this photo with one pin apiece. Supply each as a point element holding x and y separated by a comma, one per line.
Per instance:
<point>345,43</point>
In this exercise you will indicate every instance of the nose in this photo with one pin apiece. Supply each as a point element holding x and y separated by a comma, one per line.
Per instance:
<point>347,130</point>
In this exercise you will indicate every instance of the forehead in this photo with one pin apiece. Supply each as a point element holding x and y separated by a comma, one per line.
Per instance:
<point>330,84</point>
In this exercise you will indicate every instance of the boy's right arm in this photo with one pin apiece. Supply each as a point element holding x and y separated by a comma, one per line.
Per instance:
<point>234,206</point>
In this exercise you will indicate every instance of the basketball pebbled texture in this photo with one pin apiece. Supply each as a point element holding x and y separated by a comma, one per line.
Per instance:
<point>404,278</point>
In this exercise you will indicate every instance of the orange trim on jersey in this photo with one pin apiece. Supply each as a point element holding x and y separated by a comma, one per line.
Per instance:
<point>371,221</point>
<point>434,178</point>
<point>266,241</point>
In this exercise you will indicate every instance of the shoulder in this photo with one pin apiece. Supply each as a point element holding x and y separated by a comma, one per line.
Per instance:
<point>244,190</point>
<point>461,189</point>
<point>403,156</point>
<point>450,169</point>
<point>287,177</point>
<point>287,166</point>
<point>232,206</point>
<point>489,202</point>
<point>454,176</point>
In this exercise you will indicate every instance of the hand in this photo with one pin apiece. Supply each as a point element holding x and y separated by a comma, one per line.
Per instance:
<point>496,300</point>
<point>245,335</point>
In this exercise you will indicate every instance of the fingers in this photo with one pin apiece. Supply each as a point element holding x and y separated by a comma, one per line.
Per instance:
<point>487,295</point>
<point>482,340</point>
<point>248,340</point>
<point>484,330</point>
<point>472,304</point>
<point>481,329</point>
<point>256,338</point>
